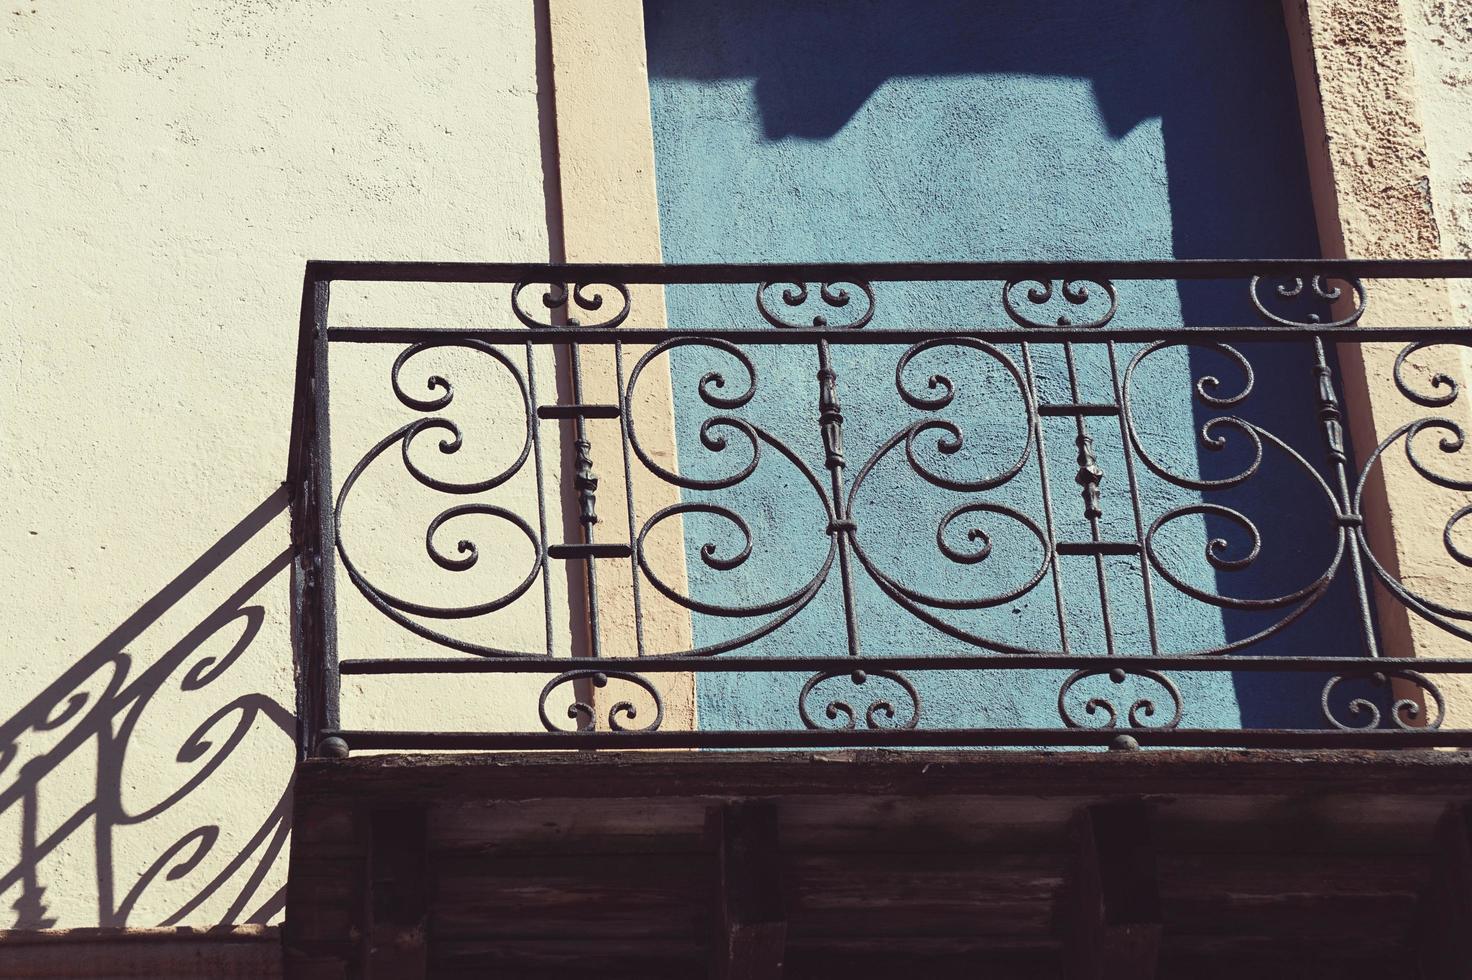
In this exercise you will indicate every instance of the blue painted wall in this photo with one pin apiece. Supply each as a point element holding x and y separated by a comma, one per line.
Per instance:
<point>912,130</point>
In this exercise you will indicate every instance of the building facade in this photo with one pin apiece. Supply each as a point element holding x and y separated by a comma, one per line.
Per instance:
<point>176,170</point>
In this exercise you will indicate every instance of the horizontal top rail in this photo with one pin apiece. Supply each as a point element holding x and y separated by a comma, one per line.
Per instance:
<point>799,335</point>
<point>705,272</point>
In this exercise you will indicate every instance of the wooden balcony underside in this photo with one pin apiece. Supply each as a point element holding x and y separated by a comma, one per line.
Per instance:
<point>998,864</point>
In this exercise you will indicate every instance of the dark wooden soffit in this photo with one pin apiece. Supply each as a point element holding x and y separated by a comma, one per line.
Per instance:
<point>787,864</point>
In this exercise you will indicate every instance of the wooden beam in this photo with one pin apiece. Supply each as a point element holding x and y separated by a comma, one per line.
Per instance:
<point>450,778</point>
<point>1111,903</point>
<point>1443,932</point>
<point>399,894</point>
<point>324,889</point>
<point>751,935</point>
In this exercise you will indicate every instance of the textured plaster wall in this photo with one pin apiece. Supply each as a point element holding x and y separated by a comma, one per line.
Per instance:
<point>1439,36</point>
<point>1380,192</point>
<point>168,169</point>
<point>919,131</point>
<point>1439,42</point>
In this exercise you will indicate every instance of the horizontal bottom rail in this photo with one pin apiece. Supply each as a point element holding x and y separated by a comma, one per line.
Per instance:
<point>1118,738</point>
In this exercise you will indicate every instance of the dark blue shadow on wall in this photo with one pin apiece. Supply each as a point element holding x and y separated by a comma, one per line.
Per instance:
<point>950,129</point>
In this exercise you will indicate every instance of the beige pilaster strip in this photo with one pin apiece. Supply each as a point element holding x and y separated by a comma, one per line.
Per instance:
<point>1370,175</point>
<point>610,213</point>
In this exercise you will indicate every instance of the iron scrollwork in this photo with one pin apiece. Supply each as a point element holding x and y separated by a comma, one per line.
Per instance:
<point>1318,290</point>
<point>1075,291</point>
<point>715,434</point>
<point>570,297</point>
<point>794,295</point>
<point>842,711</point>
<point>1433,388</point>
<point>1404,713</point>
<point>402,610</point>
<point>1140,709</point>
<point>619,712</point>
<point>1214,435</point>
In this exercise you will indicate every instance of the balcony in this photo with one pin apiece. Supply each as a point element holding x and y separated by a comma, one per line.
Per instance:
<point>1103,507</point>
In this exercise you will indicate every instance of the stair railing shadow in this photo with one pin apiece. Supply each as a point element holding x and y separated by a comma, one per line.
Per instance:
<point>103,708</point>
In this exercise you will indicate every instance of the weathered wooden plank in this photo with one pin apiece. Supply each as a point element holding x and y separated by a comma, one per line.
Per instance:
<point>583,895</point>
<point>223,953</point>
<point>826,963</point>
<point>888,823</point>
<point>545,826</point>
<point>324,893</point>
<point>912,895</point>
<point>1362,776</point>
<point>1443,935</point>
<point>606,958</point>
<point>1283,875</point>
<point>752,928</point>
<point>399,896</point>
<point>1320,964</point>
<point>1111,904</point>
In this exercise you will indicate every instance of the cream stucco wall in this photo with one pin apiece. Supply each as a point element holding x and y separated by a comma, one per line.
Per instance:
<point>169,167</point>
<point>1439,36</point>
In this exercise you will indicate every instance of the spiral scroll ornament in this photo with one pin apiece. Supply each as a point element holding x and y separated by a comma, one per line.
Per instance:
<point>727,386</point>
<point>1446,387</point>
<point>964,535</point>
<point>568,298</point>
<point>880,712</point>
<point>1040,293</point>
<point>585,715</point>
<point>1436,447</point>
<point>1140,709</point>
<point>465,554</point>
<point>1317,292</point>
<point>1406,713</point>
<point>831,295</point>
<point>1456,620</point>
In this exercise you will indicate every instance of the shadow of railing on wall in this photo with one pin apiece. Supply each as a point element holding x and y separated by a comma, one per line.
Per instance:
<point>67,752</point>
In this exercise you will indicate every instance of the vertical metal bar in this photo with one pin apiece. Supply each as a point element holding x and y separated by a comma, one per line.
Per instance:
<point>1089,478</point>
<point>1037,424</point>
<point>830,421</point>
<point>1129,468</point>
<point>1332,420</point>
<point>585,484</point>
<point>623,415</point>
<point>325,527</point>
<point>300,485</point>
<point>536,429</point>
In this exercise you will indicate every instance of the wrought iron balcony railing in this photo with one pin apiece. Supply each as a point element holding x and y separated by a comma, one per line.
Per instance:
<point>1204,503</point>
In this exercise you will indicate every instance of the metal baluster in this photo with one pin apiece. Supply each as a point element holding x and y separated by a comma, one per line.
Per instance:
<point>531,384</point>
<point>1090,475</point>
<point>623,414</point>
<point>586,485</point>
<point>323,533</point>
<point>830,421</point>
<point>1333,426</point>
<point>1047,501</point>
<point>1129,469</point>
